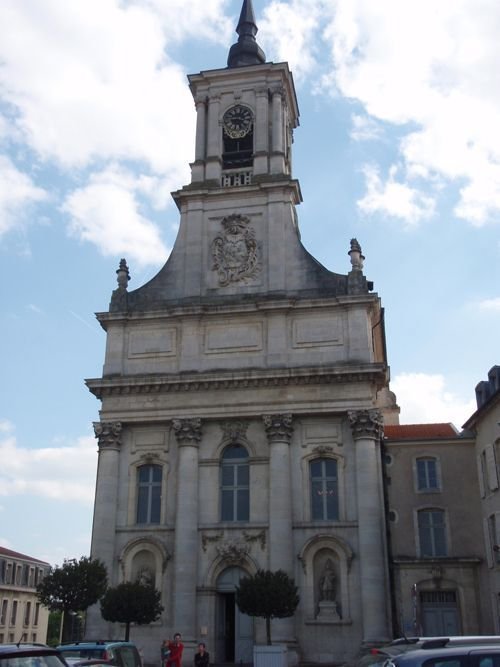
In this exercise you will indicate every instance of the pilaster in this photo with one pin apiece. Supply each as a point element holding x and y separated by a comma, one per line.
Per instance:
<point>279,431</point>
<point>188,434</point>
<point>367,429</point>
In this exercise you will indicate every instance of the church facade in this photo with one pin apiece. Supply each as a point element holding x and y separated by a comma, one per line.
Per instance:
<point>244,392</point>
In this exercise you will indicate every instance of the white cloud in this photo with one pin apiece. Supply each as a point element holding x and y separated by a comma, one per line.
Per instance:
<point>425,398</point>
<point>66,472</point>
<point>288,31</point>
<point>394,198</point>
<point>490,305</point>
<point>188,19</point>
<point>364,128</point>
<point>17,194</point>
<point>91,80</point>
<point>106,212</point>
<point>433,66</point>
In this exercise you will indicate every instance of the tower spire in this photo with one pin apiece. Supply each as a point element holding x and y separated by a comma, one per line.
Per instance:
<point>246,51</point>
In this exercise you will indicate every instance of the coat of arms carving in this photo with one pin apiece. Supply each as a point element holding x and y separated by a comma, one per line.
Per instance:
<point>235,251</point>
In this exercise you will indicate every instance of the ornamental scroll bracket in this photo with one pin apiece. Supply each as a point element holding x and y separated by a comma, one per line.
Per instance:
<point>258,537</point>
<point>108,434</point>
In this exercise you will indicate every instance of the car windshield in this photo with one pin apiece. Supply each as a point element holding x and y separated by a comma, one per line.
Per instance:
<point>31,661</point>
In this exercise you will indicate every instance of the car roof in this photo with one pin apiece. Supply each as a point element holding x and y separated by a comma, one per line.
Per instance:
<point>26,648</point>
<point>421,654</point>
<point>100,643</point>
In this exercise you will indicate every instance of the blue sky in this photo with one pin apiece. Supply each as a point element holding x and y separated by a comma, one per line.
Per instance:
<point>399,146</point>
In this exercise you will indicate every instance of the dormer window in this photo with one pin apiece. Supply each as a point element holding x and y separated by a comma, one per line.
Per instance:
<point>237,135</point>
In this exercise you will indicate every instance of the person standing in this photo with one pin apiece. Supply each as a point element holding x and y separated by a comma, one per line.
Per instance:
<point>164,652</point>
<point>201,657</point>
<point>176,648</point>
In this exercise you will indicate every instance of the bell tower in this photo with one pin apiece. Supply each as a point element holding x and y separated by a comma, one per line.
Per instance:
<point>243,395</point>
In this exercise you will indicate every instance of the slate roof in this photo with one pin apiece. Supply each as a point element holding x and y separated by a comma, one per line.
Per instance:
<point>15,554</point>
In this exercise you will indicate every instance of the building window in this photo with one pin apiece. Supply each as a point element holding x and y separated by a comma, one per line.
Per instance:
<point>3,612</point>
<point>13,613</point>
<point>493,527</point>
<point>3,570</point>
<point>27,613</point>
<point>432,533</point>
<point>235,490</point>
<point>427,474</point>
<point>149,494</point>
<point>324,490</point>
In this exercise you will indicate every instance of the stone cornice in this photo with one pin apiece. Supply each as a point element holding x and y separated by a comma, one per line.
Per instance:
<point>161,384</point>
<point>217,308</point>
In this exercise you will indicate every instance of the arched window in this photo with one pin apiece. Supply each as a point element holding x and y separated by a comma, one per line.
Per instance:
<point>324,490</point>
<point>432,533</point>
<point>149,494</point>
<point>235,492</point>
<point>427,474</point>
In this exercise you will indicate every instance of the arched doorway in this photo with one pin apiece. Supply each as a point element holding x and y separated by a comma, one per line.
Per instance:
<point>234,630</point>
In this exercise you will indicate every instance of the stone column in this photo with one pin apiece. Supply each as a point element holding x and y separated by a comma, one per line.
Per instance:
<point>366,428</point>
<point>214,139</point>
<point>109,441</point>
<point>188,434</point>
<point>198,167</point>
<point>261,132</point>
<point>278,153</point>
<point>281,552</point>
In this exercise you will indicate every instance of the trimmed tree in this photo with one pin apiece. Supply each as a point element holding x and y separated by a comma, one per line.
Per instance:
<point>131,602</point>
<point>267,595</point>
<point>73,587</point>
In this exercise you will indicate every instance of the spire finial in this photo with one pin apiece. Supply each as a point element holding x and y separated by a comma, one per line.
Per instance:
<point>246,51</point>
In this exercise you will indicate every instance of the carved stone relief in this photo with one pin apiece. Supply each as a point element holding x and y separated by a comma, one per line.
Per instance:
<point>233,552</point>
<point>234,430</point>
<point>187,430</point>
<point>235,252</point>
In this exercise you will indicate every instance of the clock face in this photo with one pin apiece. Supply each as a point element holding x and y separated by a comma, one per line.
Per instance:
<point>237,121</point>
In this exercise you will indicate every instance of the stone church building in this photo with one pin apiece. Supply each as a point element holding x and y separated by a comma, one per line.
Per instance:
<point>244,393</point>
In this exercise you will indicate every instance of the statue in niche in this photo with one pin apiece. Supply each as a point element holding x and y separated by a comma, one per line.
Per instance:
<point>145,577</point>
<point>328,606</point>
<point>327,582</point>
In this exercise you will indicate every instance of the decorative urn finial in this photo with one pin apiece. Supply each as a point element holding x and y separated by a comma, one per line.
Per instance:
<point>355,254</point>
<point>246,51</point>
<point>122,274</point>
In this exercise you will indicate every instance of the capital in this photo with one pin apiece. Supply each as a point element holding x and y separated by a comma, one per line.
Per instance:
<point>278,427</point>
<point>187,431</point>
<point>366,423</point>
<point>108,434</point>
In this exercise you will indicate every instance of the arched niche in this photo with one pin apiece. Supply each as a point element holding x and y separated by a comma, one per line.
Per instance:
<point>318,555</point>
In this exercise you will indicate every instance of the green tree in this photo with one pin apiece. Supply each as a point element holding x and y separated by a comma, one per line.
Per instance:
<point>267,595</point>
<point>73,587</point>
<point>131,602</point>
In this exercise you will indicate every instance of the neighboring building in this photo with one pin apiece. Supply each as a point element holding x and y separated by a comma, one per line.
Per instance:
<point>22,617</point>
<point>439,574</point>
<point>243,396</point>
<point>484,424</point>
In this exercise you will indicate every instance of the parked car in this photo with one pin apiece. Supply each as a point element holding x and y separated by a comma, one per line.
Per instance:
<point>115,653</point>
<point>30,655</point>
<point>447,652</point>
<point>402,645</point>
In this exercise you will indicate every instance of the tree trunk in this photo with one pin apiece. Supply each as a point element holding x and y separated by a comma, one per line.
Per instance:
<point>268,631</point>
<point>127,630</point>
